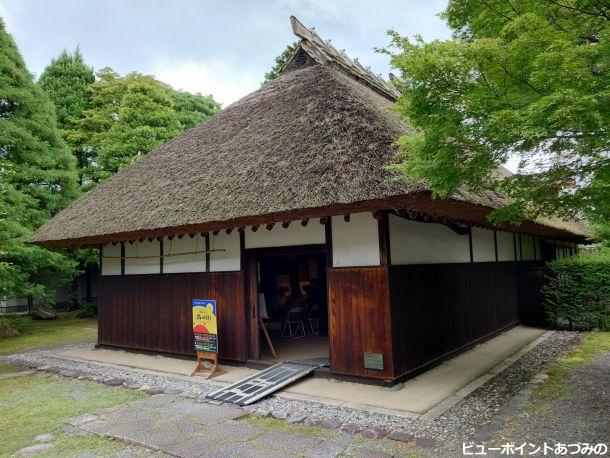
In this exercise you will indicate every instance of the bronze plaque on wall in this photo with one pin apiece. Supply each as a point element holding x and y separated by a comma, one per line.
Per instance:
<point>373,361</point>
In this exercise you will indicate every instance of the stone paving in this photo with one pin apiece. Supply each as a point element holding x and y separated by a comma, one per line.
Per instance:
<point>183,427</point>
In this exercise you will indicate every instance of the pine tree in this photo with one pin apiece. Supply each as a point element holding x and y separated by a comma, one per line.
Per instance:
<point>37,179</point>
<point>65,80</point>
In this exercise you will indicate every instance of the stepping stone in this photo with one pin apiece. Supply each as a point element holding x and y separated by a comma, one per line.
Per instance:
<point>33,449</point>
<point>400,436</point>
<point>330,424</point>
<point>153,390</point>
<point>295,417</point>
<point>172,391</point>
<point>157,437</point>
<point>425,442</point>
<point>182,407</point>
<point>114,382</point>
<point>280,414</point>
<point>284,441</point>
<point>351,429</point>
<point>236,430</point>
<point>325,449</point>
<point>156,400</point>
<point>86,418</point>
<point>362,452</point>
<point>69,373</point>
<point>193,447</point>
<point>263,412</point>
<point>44,438</point>
<point>208,414</point>
<point>312,422</point>
<point>7,404</point>
<point>73,431</point>
<point>374,433</point>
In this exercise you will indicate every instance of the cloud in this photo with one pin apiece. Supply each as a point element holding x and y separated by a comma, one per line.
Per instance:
<point>222,79</point>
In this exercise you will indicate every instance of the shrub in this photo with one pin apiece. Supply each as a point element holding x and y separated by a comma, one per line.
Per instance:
<point>577,293</point>
<point>13,325</point>
<point>7,329</point>
<point>87,310</point>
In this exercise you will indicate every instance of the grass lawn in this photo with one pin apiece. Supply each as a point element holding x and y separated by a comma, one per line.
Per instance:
<point>557,385</point>
<point>39,404</point>
<point>65,329</point>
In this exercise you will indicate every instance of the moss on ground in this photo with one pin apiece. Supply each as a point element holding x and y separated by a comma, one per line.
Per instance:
<point>557,386</point>
<point>8,368</point>
<point>65,329</point>
<point>296,428</point>
<point>384,446</point>
<point>37,404</point>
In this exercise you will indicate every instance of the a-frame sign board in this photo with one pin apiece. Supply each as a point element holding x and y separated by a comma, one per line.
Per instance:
<point>205,334</point>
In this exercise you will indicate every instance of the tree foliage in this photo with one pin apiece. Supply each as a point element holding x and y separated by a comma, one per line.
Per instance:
<point>37,179</point>
<point>130,116</point>
<point>529,79</point>
<point>191,109</point>
<point>280,61</point>
<point>66,80</point>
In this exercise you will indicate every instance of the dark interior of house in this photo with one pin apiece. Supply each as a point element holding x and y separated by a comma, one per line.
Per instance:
<point>295,297</point>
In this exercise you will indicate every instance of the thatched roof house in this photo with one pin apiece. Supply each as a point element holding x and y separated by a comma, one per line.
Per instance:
<point>314,142</point>
<point>285,197</point>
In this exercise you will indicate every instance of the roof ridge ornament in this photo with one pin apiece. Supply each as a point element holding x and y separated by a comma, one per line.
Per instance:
<point>324,53</point>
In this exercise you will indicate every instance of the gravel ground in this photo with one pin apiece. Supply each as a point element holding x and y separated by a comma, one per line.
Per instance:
<point>458,424</point>
<point>580,415</point>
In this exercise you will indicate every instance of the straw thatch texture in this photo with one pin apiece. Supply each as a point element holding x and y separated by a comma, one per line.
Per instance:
<point>312,138</point>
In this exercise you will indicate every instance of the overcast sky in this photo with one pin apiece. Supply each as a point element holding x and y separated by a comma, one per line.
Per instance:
<point>214,47</point>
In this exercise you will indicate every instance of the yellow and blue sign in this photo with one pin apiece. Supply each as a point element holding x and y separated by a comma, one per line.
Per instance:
<point>205,328</point>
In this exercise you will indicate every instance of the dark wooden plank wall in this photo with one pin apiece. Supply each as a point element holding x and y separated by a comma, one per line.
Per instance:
<point>153,312</point>
<point>439,308</point>
<point>531,309</point>
<point>359,320</point>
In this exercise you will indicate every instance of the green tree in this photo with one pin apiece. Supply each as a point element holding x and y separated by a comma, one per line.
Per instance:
<point>130,116</point>
<point>66,80</point>
<point>191,109</point>
<point>280,61</point>
<point>529,79</point>
<point>37,179</point>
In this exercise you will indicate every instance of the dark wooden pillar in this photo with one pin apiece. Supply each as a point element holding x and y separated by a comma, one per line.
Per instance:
<point>383,224</point>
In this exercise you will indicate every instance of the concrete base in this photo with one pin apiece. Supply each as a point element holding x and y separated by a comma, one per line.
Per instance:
<point>415,397</point>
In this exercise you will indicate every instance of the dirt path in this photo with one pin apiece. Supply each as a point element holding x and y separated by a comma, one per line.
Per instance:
<point>575,410</point>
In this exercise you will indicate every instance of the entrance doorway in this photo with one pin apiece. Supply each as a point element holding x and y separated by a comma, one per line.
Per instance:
<point>290,289</point>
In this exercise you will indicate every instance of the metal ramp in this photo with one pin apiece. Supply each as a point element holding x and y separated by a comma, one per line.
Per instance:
<point>270,380</point>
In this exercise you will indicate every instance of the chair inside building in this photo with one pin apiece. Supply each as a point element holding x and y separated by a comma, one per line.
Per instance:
<point>293,307</point>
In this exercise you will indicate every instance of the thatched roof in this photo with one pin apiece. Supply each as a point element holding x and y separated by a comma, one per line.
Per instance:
<point>314,142</point>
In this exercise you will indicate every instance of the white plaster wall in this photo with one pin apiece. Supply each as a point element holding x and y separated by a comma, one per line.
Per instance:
<point>527,247</point>
<point>519,242</point>
<point>425,243</point>
<point>144,265</point>
<point>355,243</point>
<point>111,266</point>
<point>483,248</point>
<point>506,247</point>
<point>184,262</point>
<point>229,259</point>
<point>295,234</point>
